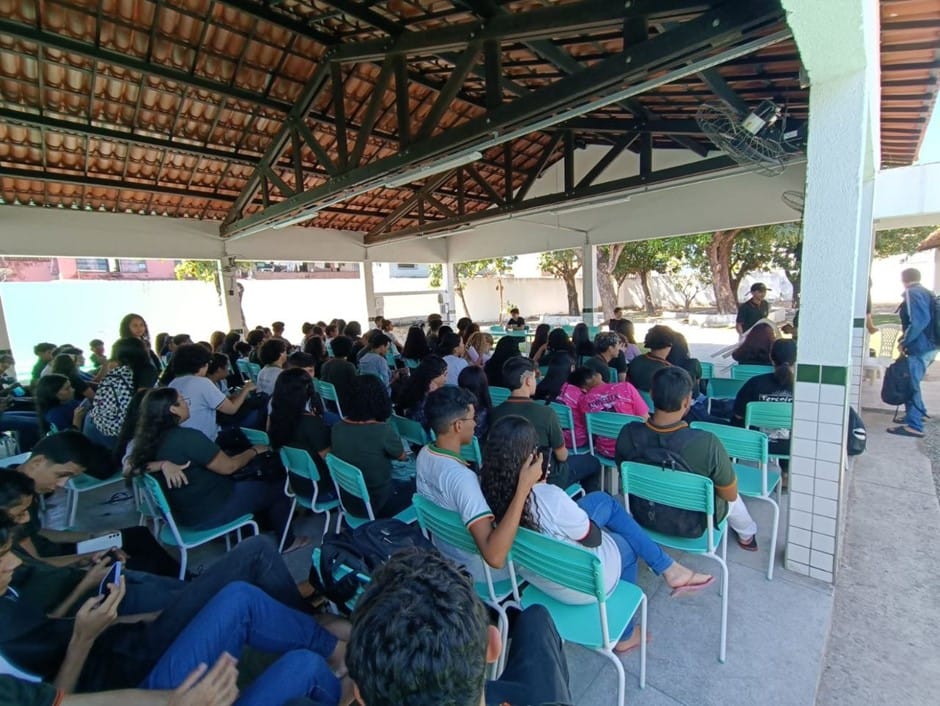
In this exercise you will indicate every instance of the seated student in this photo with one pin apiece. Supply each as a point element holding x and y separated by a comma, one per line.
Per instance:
<point>550,385</point>
<point>255,338</point>
<point>596,521</point>
<point>273,356</point>
<point>434,325</point>
<point>642,368</point>
<point>559,347</point>
<point>277,332</point>
<point>516,322</point>
<point>211,496</point>
<point>217,686</point>
<point>479,347</point>
<point>217,372</point>
<point>539,342</point>
<point>133,372</point>
<point>624,329</point>
<point>507,347</point>
<point>565,468</point>
<point>296,420</point>
<point>473,379</point>
<point>339,371</point>
<point>430,375</point>
<point>173,343</point>
<point>446,480</point>
<point>581,340</point>
<point>43,353</point>
<point>770,387</point>
<point>452,349</point>
<point>445,663</point>
<point>187,375</point>
<point>65,364</point>
<point>607,356</point>
<point>681,356</point>
<point>755,348</point>
<point>56,406</point>
<point>316,349</point>
<point>602,396</point>
<point>579,381</point>
<point>373,361</point>
<point>96,651</point>
<point>416,345</point>
<point>97,356</point>
<point>701,450</point>
<point>367,440</point>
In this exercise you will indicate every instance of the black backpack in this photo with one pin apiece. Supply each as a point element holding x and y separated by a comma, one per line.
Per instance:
<point>348,559</point>
<point>665,451</point>
<point>897,387</point>
<point>933,331</point>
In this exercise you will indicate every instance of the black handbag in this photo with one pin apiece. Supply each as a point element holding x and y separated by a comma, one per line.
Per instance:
<point>265,466</point>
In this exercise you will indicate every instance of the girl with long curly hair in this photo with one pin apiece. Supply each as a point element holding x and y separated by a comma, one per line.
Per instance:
<point>597,521</point>
<point>211,496</point>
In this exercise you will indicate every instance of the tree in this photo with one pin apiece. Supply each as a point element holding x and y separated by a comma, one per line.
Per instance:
<point>208,271</point>
<point>607,258</point>
<point>565,265</point>
<point>719,263</point>
<point>642,258</point>
<point>900,241</point>
<point>474,268</point>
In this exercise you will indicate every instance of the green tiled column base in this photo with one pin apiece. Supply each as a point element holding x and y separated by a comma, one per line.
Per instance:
<point>858,323</point>
<point>826,374</point>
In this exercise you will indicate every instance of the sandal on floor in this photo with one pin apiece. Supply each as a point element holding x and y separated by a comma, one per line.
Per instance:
<point>689,587</point>
<point>904,431</point>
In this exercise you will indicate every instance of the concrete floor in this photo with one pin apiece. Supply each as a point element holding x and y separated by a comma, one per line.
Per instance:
<point>792,641</point>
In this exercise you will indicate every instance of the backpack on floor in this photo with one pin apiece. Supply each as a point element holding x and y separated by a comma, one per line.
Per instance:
<point>897,386</point>
<point>348,559</point>
<point>857,435</point>
<point>664,451</point>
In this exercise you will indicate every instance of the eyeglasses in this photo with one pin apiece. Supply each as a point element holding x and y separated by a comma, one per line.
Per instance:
<point>466,419</point>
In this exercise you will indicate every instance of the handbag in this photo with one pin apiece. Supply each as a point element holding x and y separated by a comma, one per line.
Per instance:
<point>897,387</point>
<point>265,466</point>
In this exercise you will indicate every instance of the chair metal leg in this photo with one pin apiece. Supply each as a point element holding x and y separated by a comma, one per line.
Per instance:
<point>290,516</point>
<point>723,640</point>
<point>643,642</point>
<point>326,525</point>
<point>71,502</point>
<point>773,540</point>
<point>621,677</point>
<point>228,542</point>
<point>184,558</point>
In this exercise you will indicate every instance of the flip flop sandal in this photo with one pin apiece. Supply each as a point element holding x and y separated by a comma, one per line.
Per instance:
<point>901,431</point>
<point>692,587</point>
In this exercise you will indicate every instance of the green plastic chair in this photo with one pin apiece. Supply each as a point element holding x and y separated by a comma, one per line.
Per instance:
<point>85,483</point>
<point>770,415</point>
<point>175,535</point>
<point>758,482</point>
<point>242,365</point>
<point>722,389</point>
<point>349,478</point>
<point>470,453</point>
<point>498,395</point>
<point>596,625</point>
<point>299,462</point>
<point>498,330</point>
<point>613,376</point>
<point>253,371</point>
<point>411,363</point>
<point>746,372</point>
<point>686,491</point>
<point>327,392</point>
<point>606,425</point>
<point>411,431</point>
<point>543,371</point>
<point>256,436</point>
<point>648,398</point>
<point>708,371</point>
<point>447,526</point>
<point>566,418</point>
<point>340,572</point>
<point>568,328</point>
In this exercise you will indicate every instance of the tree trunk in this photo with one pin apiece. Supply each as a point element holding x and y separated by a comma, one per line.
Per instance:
<point>499,288</point>
<point>794,277</point>
<point>606,263</point>
<point>571,287</point>
<point>719,258</point>
<point>458,288</point>
<point>647,293</point>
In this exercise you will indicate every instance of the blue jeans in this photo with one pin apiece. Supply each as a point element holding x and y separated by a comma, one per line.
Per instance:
<point>240,615</point>
<point>586,470</point>
<point>25,425</point>
<point>263,498</point>
<point>631,539</point>
<point>915,408</point>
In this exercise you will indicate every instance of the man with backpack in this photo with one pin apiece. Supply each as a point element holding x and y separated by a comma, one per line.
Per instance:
<point>667,441</point>
<point>919,343</point>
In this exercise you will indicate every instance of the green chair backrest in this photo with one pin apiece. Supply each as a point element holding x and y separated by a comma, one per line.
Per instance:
<point>565,564</point>
<point>648,398</point>
<point>708,371</point>
<point>446,525</point>
<point>613,375</point>
<point>746,372</point>
<point>410,430</point>
<point>498,395</point>
<point>566,419</point>
<point>349,478</point>
<point>543,371</point>
<point>723,388</point>
<point>498,330</point>
<point>256,436</point>
<point>568,328</point>
<point>608,424</point>
<point>253,371</point>
<point>594,330</point>
<point>468,452</point>
<point>242,365</point>
<point>299,462</point>
<point>157,498</point>
<point>390,357</point>
<point>769,415</point>
<point>328,392</point>
<point>741,444</point>
<point>411,362</point>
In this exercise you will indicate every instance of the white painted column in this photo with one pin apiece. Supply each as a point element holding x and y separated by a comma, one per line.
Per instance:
<point>231,295</point>
<point>368,282</point>
<point>836,224</point>
<point>590,297</point>
<point>860,335</point>
<point>4,335</point>
<point>448,296</point>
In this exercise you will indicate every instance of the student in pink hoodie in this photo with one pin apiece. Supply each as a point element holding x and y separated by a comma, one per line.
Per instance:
<point>579,382</point>
<point>600,396</point>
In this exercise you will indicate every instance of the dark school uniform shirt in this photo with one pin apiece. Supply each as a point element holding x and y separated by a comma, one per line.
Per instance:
<point>750,312</point>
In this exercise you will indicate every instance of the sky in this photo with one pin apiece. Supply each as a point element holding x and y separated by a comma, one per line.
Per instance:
<point>930,147</point>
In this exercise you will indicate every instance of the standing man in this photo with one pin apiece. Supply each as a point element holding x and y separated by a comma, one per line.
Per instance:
<point>754,309</point>
<point>918,343</point>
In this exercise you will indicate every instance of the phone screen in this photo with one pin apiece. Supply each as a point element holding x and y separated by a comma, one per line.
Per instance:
<point>113,576</point>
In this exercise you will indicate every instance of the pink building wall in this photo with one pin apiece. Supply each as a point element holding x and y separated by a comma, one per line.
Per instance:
<point>65,268</point>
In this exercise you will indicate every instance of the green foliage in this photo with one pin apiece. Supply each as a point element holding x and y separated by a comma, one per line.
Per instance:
<point>642,256</point>
<point>473,268</point>
<point>203,270</point>
<point>900,241</point>
<point>561,263</point>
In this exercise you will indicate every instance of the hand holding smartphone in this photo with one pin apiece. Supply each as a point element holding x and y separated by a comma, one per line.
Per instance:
<point>112,577</point>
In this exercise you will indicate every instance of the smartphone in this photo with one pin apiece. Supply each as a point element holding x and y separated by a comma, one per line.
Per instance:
<point>99,543</point>
<point>113,576</point>
<point>546,460</point>
<point>400,365</point>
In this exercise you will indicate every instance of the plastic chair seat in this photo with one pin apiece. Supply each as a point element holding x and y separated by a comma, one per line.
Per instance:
<point>689,544</point>
<point>750,480</point>
<point>85,482</point>
<point>192,538</point>
<point>579,623</point>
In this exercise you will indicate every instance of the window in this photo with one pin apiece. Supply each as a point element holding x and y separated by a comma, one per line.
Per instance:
<point>132,265</point>
<point>92,264</point>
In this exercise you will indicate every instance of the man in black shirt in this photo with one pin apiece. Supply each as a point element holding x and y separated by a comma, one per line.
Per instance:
<point>515,322</point>
<point>445,661</point>
<point>754,309</point>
